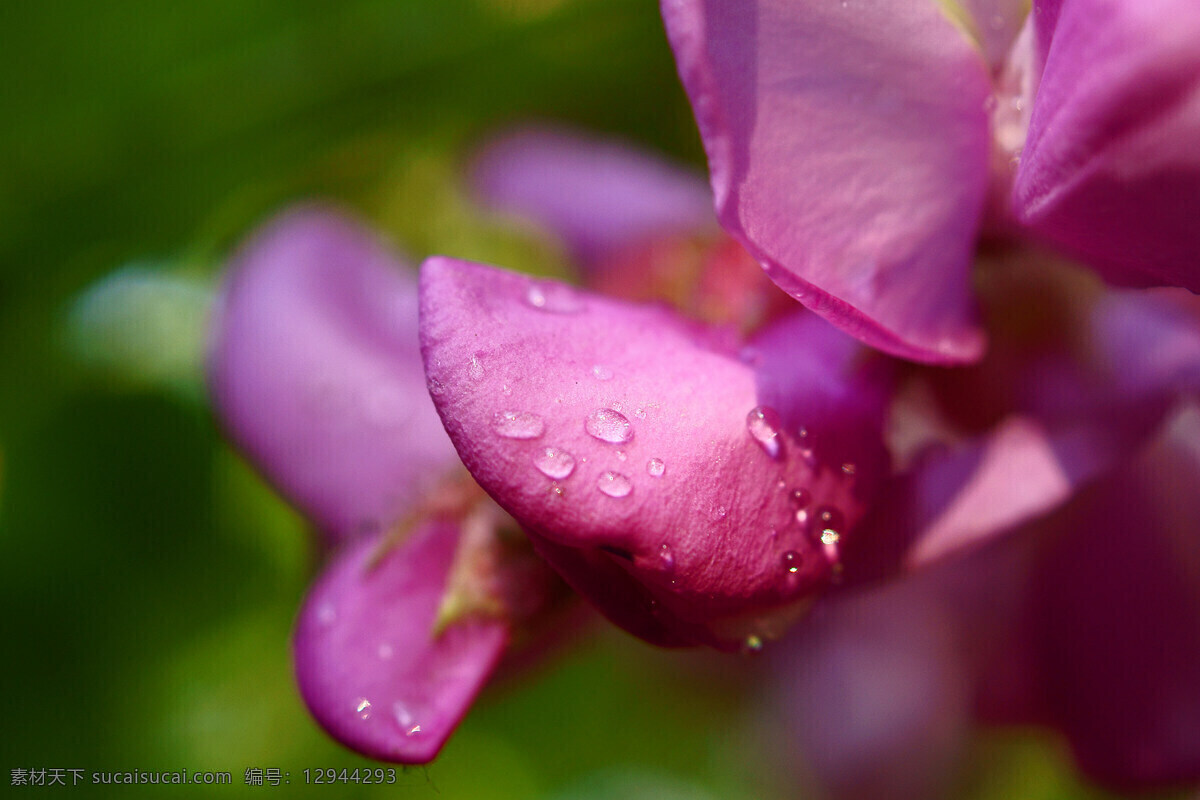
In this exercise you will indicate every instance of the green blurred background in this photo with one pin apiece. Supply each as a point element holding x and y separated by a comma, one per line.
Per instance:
<point>149,580</point>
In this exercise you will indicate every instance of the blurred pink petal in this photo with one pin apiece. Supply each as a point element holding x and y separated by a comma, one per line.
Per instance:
<point>848,150</point>
<point>316,373</point>
<point>877,685</point>
<point>627,440</point>
<point>1110,171</point>
<point>598,195</point>
<point>1111,632</point>
<point>369,665</point>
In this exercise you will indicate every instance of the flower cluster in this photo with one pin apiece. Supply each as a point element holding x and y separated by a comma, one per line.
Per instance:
<point>707,462</point>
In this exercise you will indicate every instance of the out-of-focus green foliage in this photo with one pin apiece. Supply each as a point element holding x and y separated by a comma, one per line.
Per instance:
<point>148,578</point>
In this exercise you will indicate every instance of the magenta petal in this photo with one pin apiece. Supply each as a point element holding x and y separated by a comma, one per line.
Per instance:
<point>598,195</point>
<point>369,666</point>
<point>632,436</point>
<point>1114,618</point>
<point>954,501</point>
<point>1111,171</point>
<point>848,149</point>
<point>316,373</point>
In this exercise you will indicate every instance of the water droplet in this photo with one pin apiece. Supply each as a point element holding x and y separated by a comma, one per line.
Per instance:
<point>849,468</point>
<point>830,536</point>
<point>554,297</point>
<point>719,513</point>
<point>602,373</point>
<point>475,368</point>
<point>405,719</point>
<point>506,390</point>
<point>608,425</point>
<point>622,455</point>
<point>554,463</point>
<point>829,517</point>
<point>556,490</point>
<point>640,413</point>
<point>791,561</point>
<point>614,484</point>
<point>385,651</point>
<point>519,425</point>
<point>656,467</point>
<point>801,498</point>
<point>763,424</point>
<point>752,644</point>
<point>666,558</point>
<point>362,707</point>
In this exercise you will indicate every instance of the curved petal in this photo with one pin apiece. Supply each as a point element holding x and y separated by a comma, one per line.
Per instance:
<point>627,435</point>
<point>848,150</point>
<point>315,371</point>
<point>369,665</point>
<point>958,499</point>
<point>597,194</point>
<point>1112,624</point>
<point>1110,171</point>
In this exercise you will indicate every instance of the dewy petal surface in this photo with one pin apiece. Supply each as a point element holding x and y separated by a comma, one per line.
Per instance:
<point>1110,170</point>
<point>681,483</point>
<point>368,663</point>
<point>848,150</point>
<point>316,373</point>
<point>596,194</point>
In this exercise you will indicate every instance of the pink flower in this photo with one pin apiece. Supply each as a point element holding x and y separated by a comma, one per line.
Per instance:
<point>702,472</point>
<point>315,373</point>
<point>854,146</point>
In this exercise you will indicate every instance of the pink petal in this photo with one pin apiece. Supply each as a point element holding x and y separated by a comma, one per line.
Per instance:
<point>877,696</point>
<point>1112,624</point>
<point>627,440</point>
<point>1110,171</point>
<point>877,686</point>
<point>597,194</point>
<point>369,666</point>
<point>848,149</point>
<point>955,500</point>
<point>316,375</point>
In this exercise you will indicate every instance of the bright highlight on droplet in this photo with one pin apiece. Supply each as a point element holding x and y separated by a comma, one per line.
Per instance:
<point>362,707</point>
<point>656,467</point>
<point>763,424</point>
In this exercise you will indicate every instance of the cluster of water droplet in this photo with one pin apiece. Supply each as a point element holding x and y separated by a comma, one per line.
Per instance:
<point>823,524</point>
